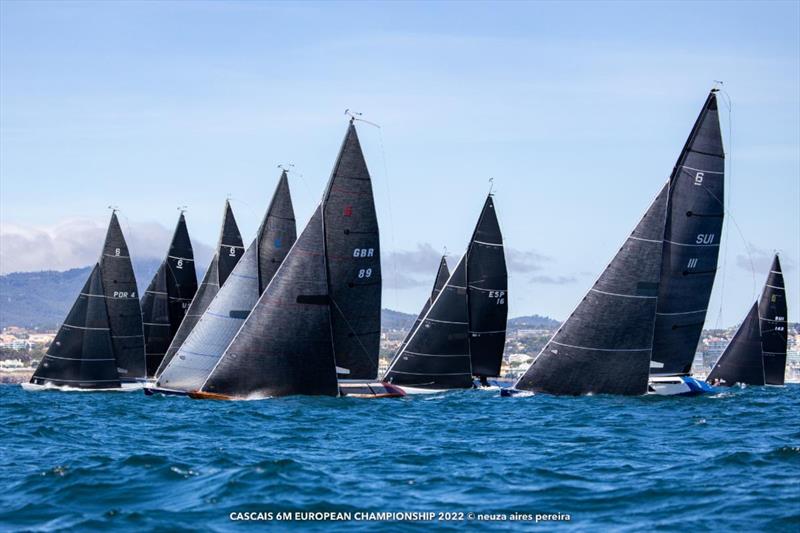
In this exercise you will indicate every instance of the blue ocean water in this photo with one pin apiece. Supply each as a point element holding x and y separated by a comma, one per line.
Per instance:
<point>91,461</point>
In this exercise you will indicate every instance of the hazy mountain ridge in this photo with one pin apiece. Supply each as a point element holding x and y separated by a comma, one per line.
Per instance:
<point>42,299</point>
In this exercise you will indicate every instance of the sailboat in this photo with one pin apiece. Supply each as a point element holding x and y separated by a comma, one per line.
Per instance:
<point>460,333</point>
<point>219,323</point>
<point>168,296</point>
<point>316,328</point>
<point>772,315</point>
<point>637,328</point>
<point>229,249</point>
<point>100,345</point>
<point>757,353</point>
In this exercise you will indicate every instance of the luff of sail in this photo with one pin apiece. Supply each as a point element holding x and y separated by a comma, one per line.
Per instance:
<point>82,353</point>
<point>442,275</point>
<point>487,294</point>
<point>436,355</point>
<point>284,347</point>
<point>352,249</point>
<point>691,244</point>
<point>175,281</point>
<point>772,313</point>
<point>228,310</point>
<point>229,251</point>
<point>122,301</point>
<point>604,346</point>
<point>742,361</point>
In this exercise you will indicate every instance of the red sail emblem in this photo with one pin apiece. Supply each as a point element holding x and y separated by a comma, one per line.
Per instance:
<point>348,211</point>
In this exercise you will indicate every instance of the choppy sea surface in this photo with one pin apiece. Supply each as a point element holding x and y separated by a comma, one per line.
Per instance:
<point>123,461</point>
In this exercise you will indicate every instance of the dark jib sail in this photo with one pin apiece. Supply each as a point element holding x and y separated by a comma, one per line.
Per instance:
<point>436,355</point>
<point>229,250</point>
<point>772,314</point>
<point>155,318</point>
<point>487,294</point>
<point>352,248</point>
<point>742,360</point>
<point>604,346</point>
<point>691,244</point>
<point>175,280</point>
<point>82,353</point>
<point>122,301</point>
<point>284,346</point>
<point>215,330</point>
<point>441,278</point>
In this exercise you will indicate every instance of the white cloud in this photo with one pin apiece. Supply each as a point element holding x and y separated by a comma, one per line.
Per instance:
<point>76,242</point>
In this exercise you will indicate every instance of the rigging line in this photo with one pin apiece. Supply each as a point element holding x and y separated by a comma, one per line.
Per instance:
<point>355,115</point>
<point>729,174</point>
<point>391,216</point>
<point>355,335</point>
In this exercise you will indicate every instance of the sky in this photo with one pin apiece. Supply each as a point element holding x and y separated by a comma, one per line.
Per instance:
<point>577,111</point>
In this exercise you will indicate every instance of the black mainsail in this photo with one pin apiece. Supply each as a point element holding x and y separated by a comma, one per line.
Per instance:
<point>175,285</point>
<point>122,302</point>
<point>448,344</point>
<point>352,251</point>
<point>604,346</point>
<point>82,353</point>
<point>691,244</point>
<point>320,314</point>
<point>743,360</point>
<point>436,355</point>
<point>772,313</point>
<point>229,250</point>
<point>487,294</point>
<point>284,346</point>
<point>220,322</point>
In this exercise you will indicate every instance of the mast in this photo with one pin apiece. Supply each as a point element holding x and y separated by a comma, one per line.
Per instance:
<point>691,244</point>
<point>229,250</point>
<point>772,314</point>
<point>122,301</point>
<point>284,347</point>
<point>218,325</point>
<point>604,346</point>
<point>436,355</point>
<point>82,353</point>
<point>352,250</point>
<point>487,294</point>
<point>742,361</point>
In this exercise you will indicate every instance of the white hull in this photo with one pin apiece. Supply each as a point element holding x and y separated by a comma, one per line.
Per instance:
<point>126,387</point>
<point>413,390</point>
